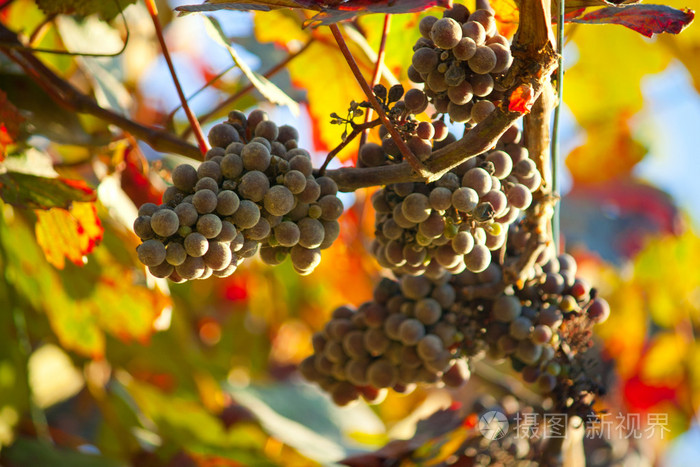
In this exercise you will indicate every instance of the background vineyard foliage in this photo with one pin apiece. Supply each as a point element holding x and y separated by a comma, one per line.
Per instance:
<point>203,373</point>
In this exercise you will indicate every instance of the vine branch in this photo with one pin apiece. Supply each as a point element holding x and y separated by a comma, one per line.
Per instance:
<point>66,95</point>
<point>405,151</point>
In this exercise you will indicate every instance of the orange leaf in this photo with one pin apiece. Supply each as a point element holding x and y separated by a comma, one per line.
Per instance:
<point>69,233</point>
<point>522,99</point>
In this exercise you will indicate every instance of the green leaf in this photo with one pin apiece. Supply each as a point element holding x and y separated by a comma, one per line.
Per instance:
<point>269,90</point>
<point>303,418</point>
<point>31,191</point>
<point>106,9</point>
<point>32,452</point>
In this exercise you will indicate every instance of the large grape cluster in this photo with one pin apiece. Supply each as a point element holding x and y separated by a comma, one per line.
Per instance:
<point>408,334</point>
<point>459,58</point>
<point>454,223</point>
<point>255,191</point>
<point>424,329</point>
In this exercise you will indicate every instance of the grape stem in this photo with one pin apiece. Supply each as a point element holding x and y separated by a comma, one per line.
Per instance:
<point>415,164</point>
<point>356,130</point>
<point>194,124</point>
<point>377,71</point>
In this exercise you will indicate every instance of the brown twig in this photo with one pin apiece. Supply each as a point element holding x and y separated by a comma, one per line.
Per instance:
<point>377,72</point>
<point>405,151</point>
<point>233,98</point>
<point>194,124</point>
<point>69,97</point>
<point>357,129</point>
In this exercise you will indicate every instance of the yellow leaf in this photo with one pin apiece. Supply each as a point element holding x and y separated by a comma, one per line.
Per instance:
<point>69,233</point>
<point>664,362</point>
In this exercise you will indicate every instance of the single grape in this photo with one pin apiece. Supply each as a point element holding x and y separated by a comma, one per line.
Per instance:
<point>295,181</point>
<point>410,331</point>
<point>205,201</point>
<point>305,259</point>
<point>465,199</point>
<point>162,271</point>
<point>256,156</point>
<point>440,198</point>
<point>196,244</point>
<point>354,344</point>
<point>416,207</point>
<point>148,209</point>
<point>247,215</point>
<point>598,311</point>
<point>459,113</point>
<point>228,232</point>
<point>222,134</point>
<point>231,166</point>
<point>433,226</point>
<point>436,82</point>
<point>172,196</point>
<point>218,256</point>
<point>209,169</point>
<point>506,308</point>
<point>420,148</point>
<point>331,207</point>
<point>151,252</point>
<point>382,374</point>
<point>311,232</point>
<point>415,287</point>
<point>478,180</point>
<point>331,231</point>
<point>478,258</point>
<point>376,342</point>
<point>465,49</point>
<point>279,200</point>
<point>267,129</point>
<point>310,193</point>
<point>191,268</point>
<point>227,202</point>
<point>142,227</point>
<point>165,222</point>
<point>259,231</point>
<point>428,311</point>
<point>175,253</point>
<point>184,177</point>
<point>287,234</point>
<point>519,196</point>
<point>481,110</point>
<point>474,31</point>
<point>446,33</point>
<point>254,185</point>
<point>430,347</point>
<point>233,148</point>
<point>462,243</point>
<point>486,19</point>
<point>209,225</point>
<point>504,59</point>
<point>457,375</point>
<point>520,328</point>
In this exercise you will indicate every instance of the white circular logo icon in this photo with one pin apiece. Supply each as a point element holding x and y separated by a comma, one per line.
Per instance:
<point>493,425</point>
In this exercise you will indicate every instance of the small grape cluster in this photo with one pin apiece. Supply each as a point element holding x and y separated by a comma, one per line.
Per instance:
<point>454,223</point>
<point>459,58</point>
<point>408,334</point>
<point>255,191</point>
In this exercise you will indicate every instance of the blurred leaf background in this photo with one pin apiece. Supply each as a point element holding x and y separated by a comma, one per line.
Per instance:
<point>118,368</point>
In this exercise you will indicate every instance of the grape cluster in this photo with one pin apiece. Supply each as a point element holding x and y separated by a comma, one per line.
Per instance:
<point>454,223</point>
<point>408,334</point>
<point>459,58</point>
<point>417,329</point>
<point>255,191</point>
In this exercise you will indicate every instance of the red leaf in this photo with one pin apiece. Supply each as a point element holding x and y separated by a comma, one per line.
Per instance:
<point>645,19</point>
<point>521,99</point>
